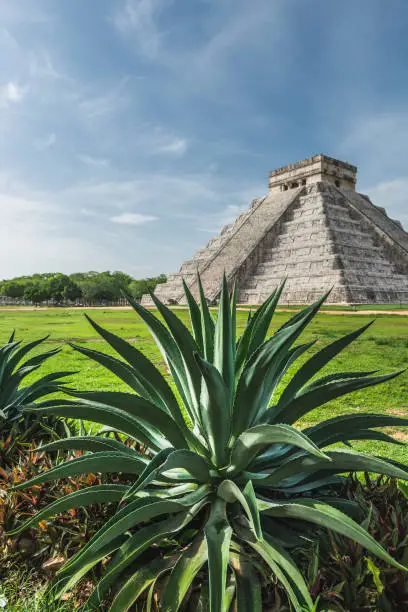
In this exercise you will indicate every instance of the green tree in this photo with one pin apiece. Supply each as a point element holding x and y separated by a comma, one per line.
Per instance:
<point>35,293</point>
<point>13,289</point>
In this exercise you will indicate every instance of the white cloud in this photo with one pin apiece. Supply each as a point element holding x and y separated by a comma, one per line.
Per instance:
<point>41,65</point>
<point>45,142</point>
<point>96,162</point>
<point>137,19</point>
<point>96,106</point>
<point>177,146</point>
<point>378,143</point>
<point>393,196</point>
<point>132,219</point>
<point>12,93</point>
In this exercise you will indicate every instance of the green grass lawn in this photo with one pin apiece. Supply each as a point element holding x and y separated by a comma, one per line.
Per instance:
<point>383,347</point>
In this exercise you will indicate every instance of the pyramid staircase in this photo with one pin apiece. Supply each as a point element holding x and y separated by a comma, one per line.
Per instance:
<point>324,242</point>
<point>312,229</point>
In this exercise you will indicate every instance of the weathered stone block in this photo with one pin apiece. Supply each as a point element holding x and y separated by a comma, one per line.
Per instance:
<point>312,228</point>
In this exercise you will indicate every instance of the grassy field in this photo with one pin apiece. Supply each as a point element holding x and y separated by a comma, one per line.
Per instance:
<point>383,347</point>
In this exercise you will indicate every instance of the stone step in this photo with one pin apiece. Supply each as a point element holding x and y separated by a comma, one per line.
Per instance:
<point>317,249</point>
<point>327,264</point>
<point>319,222</point>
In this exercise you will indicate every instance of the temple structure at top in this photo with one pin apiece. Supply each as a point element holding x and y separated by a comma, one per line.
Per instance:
<point>314,230</point>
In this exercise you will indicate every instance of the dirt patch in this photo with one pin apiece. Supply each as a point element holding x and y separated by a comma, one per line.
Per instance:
<point>402,412</point>
<point>403,313</point>
<point>397,434</point>
<point>400,435</point>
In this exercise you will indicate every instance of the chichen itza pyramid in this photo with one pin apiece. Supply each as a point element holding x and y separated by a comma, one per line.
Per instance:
<point>312,228</point>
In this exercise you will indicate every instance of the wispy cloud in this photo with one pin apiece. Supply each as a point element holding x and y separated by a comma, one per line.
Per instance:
<point>95,107</point>
<point>137,19</point>
<point>378,142</point>
<point>393,196</point>
<point>132,219</point>
<point>96,162</point>
<point>177,146</point>
<point>45,142</point>
<point>12,93</point>
<point>41,65</point>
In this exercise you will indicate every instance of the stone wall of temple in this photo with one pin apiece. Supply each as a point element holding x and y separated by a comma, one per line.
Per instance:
<point>318,233</point>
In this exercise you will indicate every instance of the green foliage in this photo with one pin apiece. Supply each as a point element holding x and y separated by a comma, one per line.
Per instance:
<point>15,366</point>
<point>341,575</point>
<point>92,287</point>
<point>242,475</point>
<point>141,287</point>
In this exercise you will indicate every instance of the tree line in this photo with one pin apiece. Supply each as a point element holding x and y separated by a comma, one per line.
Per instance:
<point>87,287</point>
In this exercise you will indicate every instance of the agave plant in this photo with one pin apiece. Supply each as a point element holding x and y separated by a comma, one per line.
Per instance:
<point>13,396</point>
<point>226,480</point>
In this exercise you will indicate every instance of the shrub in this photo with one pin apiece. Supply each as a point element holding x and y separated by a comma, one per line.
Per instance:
<point>238,486</point>
<point>14,397</point>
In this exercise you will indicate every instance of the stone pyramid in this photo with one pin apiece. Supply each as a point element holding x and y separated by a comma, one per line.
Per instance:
<point>313,229</point>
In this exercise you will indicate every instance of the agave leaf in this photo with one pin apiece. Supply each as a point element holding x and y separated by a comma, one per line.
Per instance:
<point>317,362</point>
<point>5,352</point>
<point>319,395</point>
<point>106,415</point>
<point>187,347</point>
<point>284,532</point>
<point>118,367</point>
<point>255,439</point>
<point>19,353</point>
<point>96,542</point>
<point>195,317</point>
<point>285,569</point>
<point>337,377</point>
<point>85,497</point>
<point>349,507</point>
<point>248,588</point>
<point>138,582</point>
<point>263,318</point>
<point>185,570</point>
<point>49,383</point>
<point>15,379</point>
<point>340,461</point>
<point>264,314</point>
<point>63,583</point>
<point>342,427</point>
<point>242,343</point>
<point>224,341</point>
<point>150,382</point>
<point>257,380</point>
<point>308,313</point>
<point>144,509</point>
<point>93,444</point>
<point>326,516</point>
<point>140,408</point>
<point>39,359</point>
<point>171,352</point>
<point>289,359</point>
<point>135,545</point>
<point>230,492</point>
<point>105,463</point>
<point>315,482</point>
<point>149,598</point>
<point>215,410</point>
<point>218,535</point>
<point>207,324</point>
<point>190,462</point>
<point>234,323</point>
<point>229,594</point>
<point>149,473</point>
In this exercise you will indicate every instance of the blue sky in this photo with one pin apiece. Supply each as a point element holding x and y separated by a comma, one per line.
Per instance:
<point>132,130</point>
